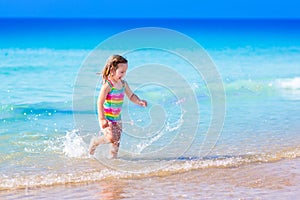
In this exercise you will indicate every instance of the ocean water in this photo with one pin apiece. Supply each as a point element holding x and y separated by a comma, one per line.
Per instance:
<point>231,132</point>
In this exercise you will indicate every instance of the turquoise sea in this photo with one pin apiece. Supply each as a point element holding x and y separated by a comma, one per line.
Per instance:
<point>174,148</point>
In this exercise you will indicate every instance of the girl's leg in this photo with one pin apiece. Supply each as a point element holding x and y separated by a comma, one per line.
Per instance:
<point>104,139</point>
<point>112,134</point>
<point>116,133</point>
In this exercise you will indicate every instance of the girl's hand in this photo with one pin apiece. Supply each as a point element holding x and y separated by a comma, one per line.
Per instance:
<point>104,123</point>
<point>143,103</point>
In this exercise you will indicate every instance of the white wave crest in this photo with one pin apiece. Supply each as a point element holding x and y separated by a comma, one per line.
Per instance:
<point>289,83</point>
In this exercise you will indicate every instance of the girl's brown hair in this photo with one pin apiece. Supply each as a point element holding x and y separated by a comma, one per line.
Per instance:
<point>112,65</point>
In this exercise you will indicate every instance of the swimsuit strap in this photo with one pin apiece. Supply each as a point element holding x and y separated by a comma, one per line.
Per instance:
<point>109,83</point>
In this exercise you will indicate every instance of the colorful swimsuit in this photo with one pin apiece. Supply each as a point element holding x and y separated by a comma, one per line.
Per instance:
<point>113,103</point>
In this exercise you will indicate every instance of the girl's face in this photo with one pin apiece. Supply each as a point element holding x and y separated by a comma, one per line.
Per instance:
<point>120,72</point>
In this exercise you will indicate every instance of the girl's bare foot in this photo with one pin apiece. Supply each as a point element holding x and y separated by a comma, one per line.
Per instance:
<point>93,146</point>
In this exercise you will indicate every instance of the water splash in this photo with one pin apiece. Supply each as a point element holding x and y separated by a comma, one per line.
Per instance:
<point>169,128</point>
<point>74,146</point>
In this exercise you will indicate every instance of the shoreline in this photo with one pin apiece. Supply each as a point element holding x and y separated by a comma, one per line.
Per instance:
<point>264,180</point>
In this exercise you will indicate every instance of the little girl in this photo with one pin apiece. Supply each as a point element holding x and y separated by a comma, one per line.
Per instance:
<point>110,102</point>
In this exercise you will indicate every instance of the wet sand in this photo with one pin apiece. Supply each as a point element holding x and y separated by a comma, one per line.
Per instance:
<point>277,180</point>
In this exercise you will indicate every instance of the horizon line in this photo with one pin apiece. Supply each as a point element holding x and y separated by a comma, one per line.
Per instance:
<point>155,18</point>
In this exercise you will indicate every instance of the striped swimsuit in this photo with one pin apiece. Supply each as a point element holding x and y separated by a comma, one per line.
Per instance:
<point>113,103</point>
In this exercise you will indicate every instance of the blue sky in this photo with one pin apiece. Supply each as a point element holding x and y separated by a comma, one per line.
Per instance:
<point>150,8</point>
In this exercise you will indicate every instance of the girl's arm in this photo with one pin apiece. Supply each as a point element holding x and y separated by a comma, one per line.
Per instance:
<point>133,97</point>
<point>105,89</point>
